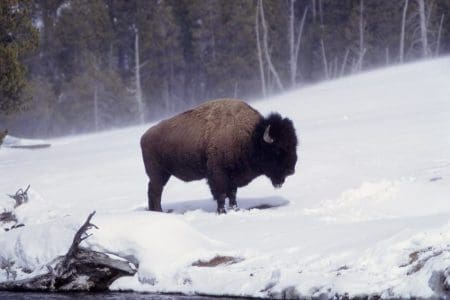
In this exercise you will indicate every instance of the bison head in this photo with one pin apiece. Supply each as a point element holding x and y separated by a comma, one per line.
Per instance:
<point>276,147</point>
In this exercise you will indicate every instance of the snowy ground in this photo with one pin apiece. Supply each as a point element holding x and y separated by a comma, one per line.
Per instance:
<point>368,211</point>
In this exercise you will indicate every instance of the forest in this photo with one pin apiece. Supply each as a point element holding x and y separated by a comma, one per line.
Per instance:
<point>74,66</point>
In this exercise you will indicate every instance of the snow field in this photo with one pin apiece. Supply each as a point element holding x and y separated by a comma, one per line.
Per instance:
<point>367,211</point>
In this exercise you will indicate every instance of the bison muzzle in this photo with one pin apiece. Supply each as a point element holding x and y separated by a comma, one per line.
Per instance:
<point>225,141</point>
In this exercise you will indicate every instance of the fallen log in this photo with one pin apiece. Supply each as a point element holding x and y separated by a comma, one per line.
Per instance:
<point>81,269</point>
<point>31,147</point>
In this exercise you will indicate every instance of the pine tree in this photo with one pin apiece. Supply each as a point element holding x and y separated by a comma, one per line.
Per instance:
<point>92,89</point>
<point>84,74</point>
<point>161,56</point>
<point>223,44</point>
<point>17,38</point>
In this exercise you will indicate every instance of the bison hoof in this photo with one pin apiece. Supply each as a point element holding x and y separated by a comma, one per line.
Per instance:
<point>221,210</point>
<point>234,207</point>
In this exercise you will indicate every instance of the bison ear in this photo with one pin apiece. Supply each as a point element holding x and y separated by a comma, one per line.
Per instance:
<point>266,137</point>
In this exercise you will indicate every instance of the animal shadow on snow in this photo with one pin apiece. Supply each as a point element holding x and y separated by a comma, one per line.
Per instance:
<point>208,205</point>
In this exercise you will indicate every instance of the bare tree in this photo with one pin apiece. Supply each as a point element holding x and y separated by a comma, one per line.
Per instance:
<point>429,11</point>
<point>272,69</point>
<point>438,42</point>
<point>314,13</point>
<point>333,72</point>
<point>423,28</point>
<point>137,74</point>
<point>324,60</point>
<point>236,86</point>
<point>294,43</point>
<point>320,12</point>
<point>291,33</point>
<point>210,9</point>
<point>357,63</point>
<point>402,33</point>
<point>361,35</point>
<point>387,56</point>
<point>96,72</point>
<point>344,62</point>
<point>96,114</point>
<point>258,48</point>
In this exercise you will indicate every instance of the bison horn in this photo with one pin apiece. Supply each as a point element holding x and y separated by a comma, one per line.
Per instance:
<point>266,136</point>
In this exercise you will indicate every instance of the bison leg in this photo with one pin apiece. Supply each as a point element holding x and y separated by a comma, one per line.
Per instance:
<point>155,187</point>
<point>218,184</point>
<point>221,204</point>
<point>232,198</point>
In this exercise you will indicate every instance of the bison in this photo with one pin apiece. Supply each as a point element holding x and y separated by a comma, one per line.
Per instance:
<point>225,141</point>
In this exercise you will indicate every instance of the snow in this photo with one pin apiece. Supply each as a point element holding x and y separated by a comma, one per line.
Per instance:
<point>367,211</point>
<point>11,141</point>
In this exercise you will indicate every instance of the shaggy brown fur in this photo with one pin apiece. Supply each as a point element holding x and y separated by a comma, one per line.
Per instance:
<point>221,141</point>
<point>3,134</point>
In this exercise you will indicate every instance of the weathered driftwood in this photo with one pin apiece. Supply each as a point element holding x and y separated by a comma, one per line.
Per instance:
<point>7,216</point>
<point>440,284</point>
<point>21,196</point>
<point>80,269</point>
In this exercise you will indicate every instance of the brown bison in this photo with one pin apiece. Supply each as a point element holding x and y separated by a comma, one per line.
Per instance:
<point>225,141</point>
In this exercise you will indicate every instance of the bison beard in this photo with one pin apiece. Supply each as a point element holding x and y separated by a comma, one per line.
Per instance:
<point>225,141</point>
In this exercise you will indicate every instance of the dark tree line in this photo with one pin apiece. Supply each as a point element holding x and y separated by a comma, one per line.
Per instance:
<point>78,65</point>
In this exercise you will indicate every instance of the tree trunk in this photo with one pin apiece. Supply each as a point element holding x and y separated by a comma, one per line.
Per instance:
<point>361,34</point>
<point>324,59</point>
<point>258,48</point>
<point>213,36</point>
<point>79,270</point>
<point>137,74</point>
<point>294,43</point>
<point>320,12</point>
<point>313,4</point>
<point>299,39</point>
<point>402,33</point>
<point>438,42</point>
<point>423,28</point>
<point>266,48</point>
<point>291,33</point>
<point>344,63</point>
<point>96,108</point>
<point>387,56</point>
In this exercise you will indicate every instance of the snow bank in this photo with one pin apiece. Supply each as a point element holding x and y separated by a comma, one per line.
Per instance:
<point>367,211</point>
<point>164,245</point>
<point>25,251</point>
<point>11,141</point>
<point>384,200</point>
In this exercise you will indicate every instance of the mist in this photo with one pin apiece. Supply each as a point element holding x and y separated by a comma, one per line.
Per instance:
<point>106,64</point>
